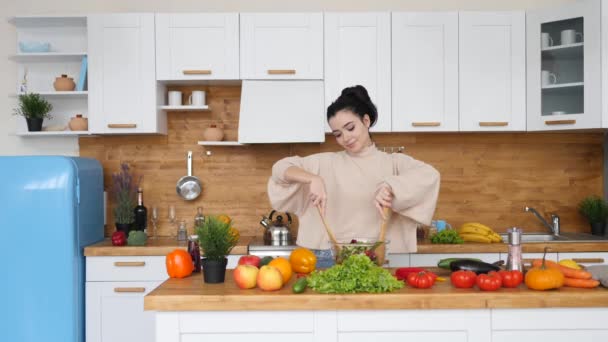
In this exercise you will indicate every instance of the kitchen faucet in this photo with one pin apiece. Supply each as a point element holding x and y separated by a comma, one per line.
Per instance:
<point>554,229</point>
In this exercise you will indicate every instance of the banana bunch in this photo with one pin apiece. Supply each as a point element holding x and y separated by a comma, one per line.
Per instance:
<point>477,232</point>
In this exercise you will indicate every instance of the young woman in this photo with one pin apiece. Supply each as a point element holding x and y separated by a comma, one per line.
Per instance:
<point>352,187</point>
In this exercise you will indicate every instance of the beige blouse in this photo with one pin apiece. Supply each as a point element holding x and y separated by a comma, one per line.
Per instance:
<point>351,183</point>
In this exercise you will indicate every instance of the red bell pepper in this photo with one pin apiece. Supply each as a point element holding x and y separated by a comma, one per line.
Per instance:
<point>119,238</point>
<point>402,272</point>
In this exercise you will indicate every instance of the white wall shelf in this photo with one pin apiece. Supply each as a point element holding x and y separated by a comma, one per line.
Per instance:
<point>564,85</point>
<point>59,93</point>
<point>220,143</point>
<point>569,51</point>
<point>185,108</point>
<point>48,56</point>
<point>52,133</point>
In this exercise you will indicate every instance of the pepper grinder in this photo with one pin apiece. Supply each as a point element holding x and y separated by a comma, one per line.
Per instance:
<point>514,260</point>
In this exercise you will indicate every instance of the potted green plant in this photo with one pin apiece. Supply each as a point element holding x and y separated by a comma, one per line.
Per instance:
<point>124,195</point>
<point>595,211</point>
<point>34,108</point>
<point>216,239</point>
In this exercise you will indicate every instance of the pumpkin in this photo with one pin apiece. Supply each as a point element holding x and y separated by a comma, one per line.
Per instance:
<point>179,264</point>
<point>543,277</point>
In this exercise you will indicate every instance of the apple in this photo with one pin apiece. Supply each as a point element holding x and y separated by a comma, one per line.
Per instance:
<point>253,260</point>
<point>245,276</point>
<point>270,278</point>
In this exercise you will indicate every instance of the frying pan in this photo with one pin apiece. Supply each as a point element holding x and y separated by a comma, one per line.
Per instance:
<point>189,187</point>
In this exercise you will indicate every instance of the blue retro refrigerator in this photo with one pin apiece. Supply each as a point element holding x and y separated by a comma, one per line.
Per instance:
<point>51,207</point>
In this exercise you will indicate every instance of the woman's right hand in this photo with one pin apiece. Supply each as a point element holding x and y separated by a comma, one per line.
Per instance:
<point>318,195</point>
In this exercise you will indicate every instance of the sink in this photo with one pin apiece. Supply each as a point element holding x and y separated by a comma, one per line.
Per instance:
<point>564,237</point>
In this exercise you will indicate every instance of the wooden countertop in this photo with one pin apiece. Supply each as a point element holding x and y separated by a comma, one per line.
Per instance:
<point>536,247</point>
<point>162,246</point>
<point>192,294</point>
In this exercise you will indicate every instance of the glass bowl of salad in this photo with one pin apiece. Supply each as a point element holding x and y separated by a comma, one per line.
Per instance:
<point>344,249</point>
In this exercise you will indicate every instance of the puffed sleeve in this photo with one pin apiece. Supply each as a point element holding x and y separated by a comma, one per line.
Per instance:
<point>286,196</point>
<point>415,186</point>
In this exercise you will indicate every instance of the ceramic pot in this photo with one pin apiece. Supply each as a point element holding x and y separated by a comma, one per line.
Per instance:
<point>598,228</point>
<point>213,133</point>
<point>64,83</point>
<point>214,271</point>
<point>34,124</point>
<point>124,227</point>
<point>78,123</point>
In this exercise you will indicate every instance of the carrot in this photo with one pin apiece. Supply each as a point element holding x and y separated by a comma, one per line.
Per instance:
<point>567,271</point>
<point>582,283</point>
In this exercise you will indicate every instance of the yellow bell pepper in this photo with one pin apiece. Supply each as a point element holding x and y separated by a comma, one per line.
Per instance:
<point>302,260</point>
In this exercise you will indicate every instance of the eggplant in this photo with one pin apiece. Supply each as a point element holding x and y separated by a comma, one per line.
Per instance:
<point>473,265</point>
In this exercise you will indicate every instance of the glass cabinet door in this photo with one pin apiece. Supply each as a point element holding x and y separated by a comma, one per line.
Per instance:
<point>564,72</point>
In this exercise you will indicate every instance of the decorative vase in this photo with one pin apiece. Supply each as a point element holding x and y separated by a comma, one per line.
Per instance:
<point>214,271</point>
<point>213,133</point>
<point>34,124</point>
<point>598,228</point>
<point>78,123</point>
<point>64,83</point>
<point>124,227</point>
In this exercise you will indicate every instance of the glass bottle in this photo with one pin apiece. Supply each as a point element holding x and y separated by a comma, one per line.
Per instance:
<point>182,232</point>
<point>514,259</point>
<point>195,252</point>
<point>141,212</point>
<point>199,219</point>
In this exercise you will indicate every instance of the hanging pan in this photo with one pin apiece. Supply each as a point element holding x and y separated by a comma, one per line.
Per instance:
<point>189,187</point>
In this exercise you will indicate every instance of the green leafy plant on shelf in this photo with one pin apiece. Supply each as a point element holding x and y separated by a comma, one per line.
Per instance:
<point>216,238</point>
<point>594,209</point>
<point>33,106</point>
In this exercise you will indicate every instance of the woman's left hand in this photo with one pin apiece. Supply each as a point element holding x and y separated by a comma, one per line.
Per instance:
<point>384,198</point>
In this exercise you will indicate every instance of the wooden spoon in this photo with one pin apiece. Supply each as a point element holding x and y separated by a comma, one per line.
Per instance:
<point>330,233</point>
<point>381,249</point>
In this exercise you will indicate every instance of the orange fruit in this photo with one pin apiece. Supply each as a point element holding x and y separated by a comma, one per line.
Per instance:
<point>224,218</point>
<point>284,267</point>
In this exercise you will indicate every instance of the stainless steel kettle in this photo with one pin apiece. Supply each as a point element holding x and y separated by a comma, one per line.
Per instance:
<point>276,232</point>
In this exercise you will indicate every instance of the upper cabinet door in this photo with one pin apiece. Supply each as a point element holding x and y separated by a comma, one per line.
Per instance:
<point>425,72</point>
<point>357,51</point>
<point>281,46</point>
<point>564,67</point>
<point>122,78</point>
<point>492,71</point>
<point>197,46</point>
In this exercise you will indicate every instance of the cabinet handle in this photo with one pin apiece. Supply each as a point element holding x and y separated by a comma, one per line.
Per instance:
<point>426,124</point>
<point>129,289</point>
<point>281,71</point>
<point>197,72</point>
<point>122,125</point>
<point>130,263</point>
<point>588,260</point>
<point>560,122</point>
<point>493,123</point>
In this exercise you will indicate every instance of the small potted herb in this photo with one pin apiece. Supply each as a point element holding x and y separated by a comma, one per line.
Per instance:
<point>595,211</point>
<point>124,191</point>
<point>34,108</point>
<point>216,239</point>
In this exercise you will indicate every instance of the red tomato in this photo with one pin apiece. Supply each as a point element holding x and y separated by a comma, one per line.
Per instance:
<point>421,280</point>
<point>463,279</point>
<point>489,282</point>
<point>511,278</point>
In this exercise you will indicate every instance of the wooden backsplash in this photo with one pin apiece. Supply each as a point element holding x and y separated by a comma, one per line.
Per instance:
<point>487,178</point>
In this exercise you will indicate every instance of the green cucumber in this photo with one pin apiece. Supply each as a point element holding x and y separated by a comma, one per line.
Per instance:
<point>300,285</point>
<point>445,263</point>
<point>265,260</point>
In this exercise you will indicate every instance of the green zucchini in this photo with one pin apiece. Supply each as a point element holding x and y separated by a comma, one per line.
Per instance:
<point>445,263</point>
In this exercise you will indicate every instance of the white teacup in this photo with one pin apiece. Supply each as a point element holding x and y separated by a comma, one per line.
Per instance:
<point>175,98</point>
<point>197,98</point>
<point>545,40</point>
<point>569,37</point>
<point>547,78</point>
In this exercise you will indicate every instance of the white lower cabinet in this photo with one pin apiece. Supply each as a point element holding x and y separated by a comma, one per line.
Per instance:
<point>115,312</point>
<point>431,260</point>
<point>587,259</point>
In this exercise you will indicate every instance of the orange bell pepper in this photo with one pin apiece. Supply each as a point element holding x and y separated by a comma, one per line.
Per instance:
<point>179,264</point>
<point>302,260</point>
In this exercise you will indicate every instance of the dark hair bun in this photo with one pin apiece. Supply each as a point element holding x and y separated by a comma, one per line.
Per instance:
<point>357,100</point>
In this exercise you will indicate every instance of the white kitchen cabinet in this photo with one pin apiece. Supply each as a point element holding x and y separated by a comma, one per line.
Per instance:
<point>587,258</point>
<point>431,260</point>
<point>569,96</point>
<point>123,95</point>
<point>37,71</point>
<point>492,71</point>
<point>115,290</point>
<point>357,51</point>
<point>424,72</point>
<point>281,45</point>
<point>197,46</point>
